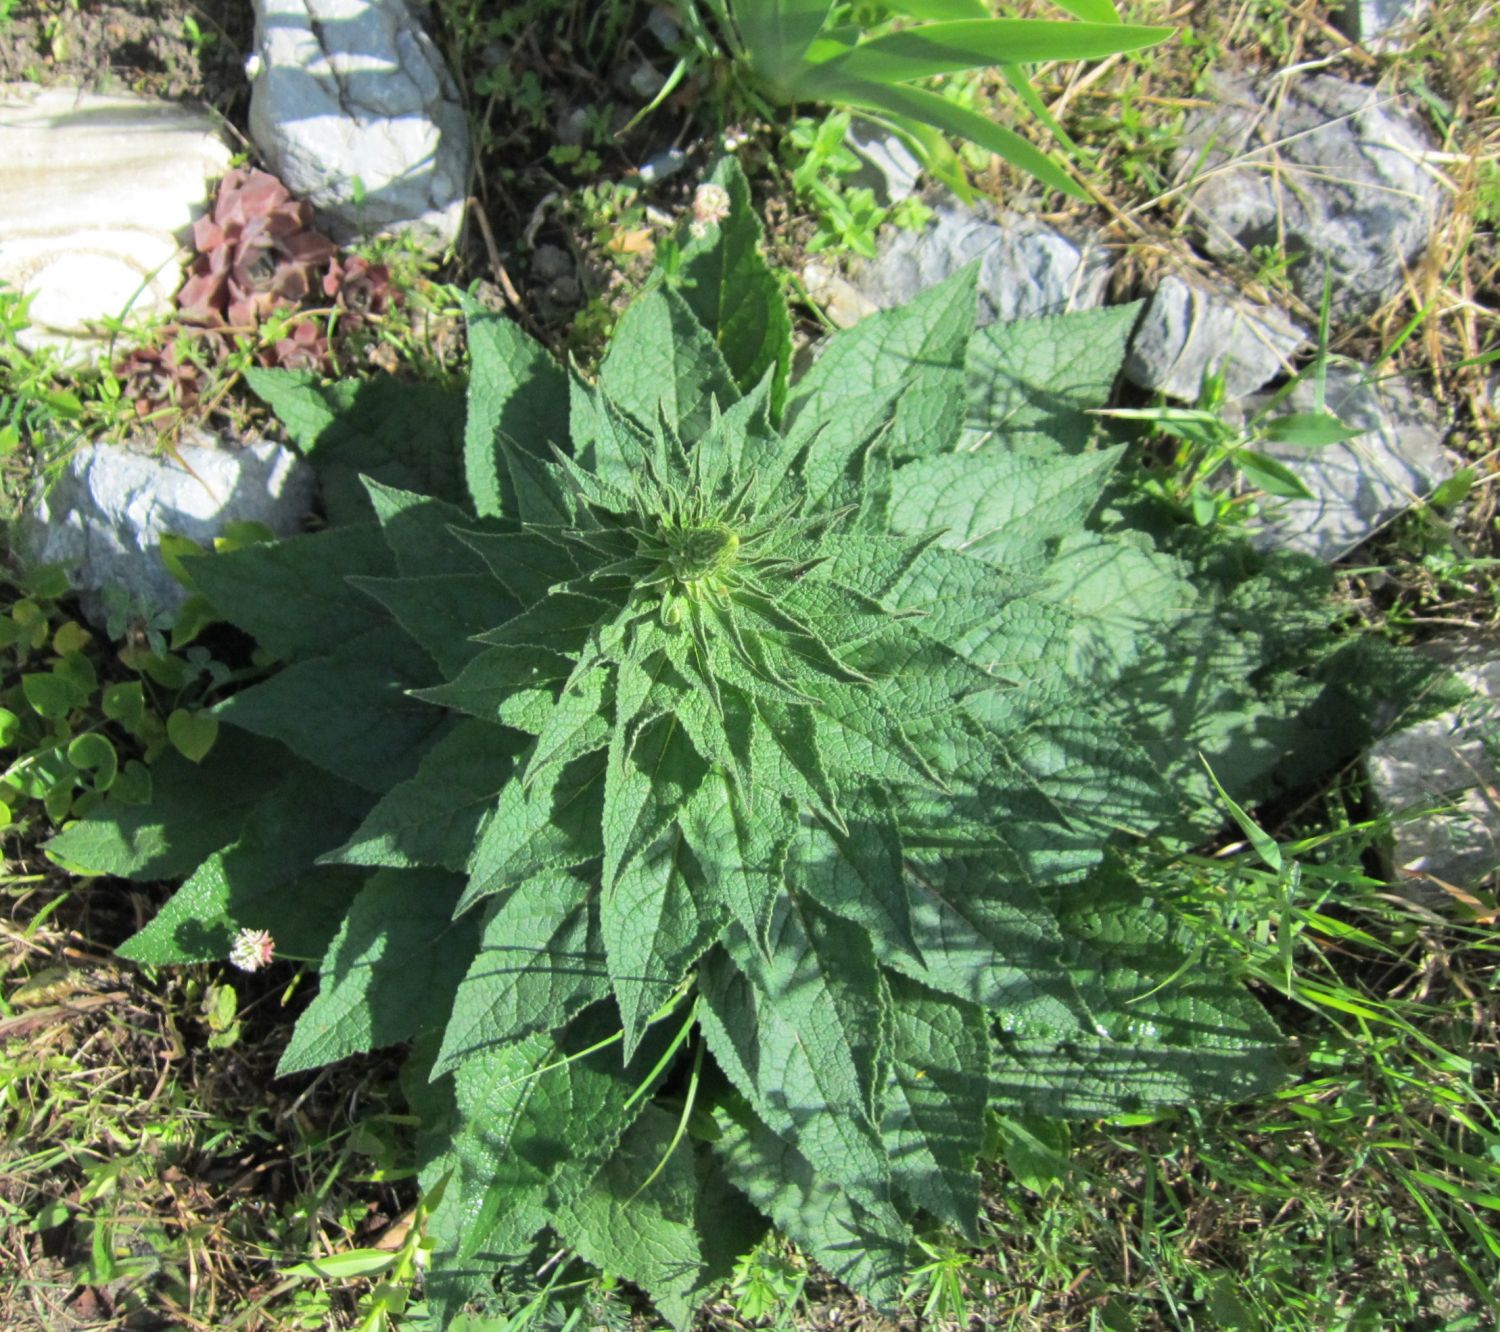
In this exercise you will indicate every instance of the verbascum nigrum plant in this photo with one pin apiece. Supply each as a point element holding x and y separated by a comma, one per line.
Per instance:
<point>726,784</point>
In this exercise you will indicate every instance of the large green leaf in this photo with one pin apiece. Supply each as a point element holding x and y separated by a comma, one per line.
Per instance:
<point>944,48</point>
<point>656,919</point>
<point>434,817</point>
<point>312,611</point>
<point>539,962</point>
<point>444,613</point>
<point>635,1217</point>
<point>518,405</point>
<point>735,296</point>
<point>195,809</point>
<point>934,1109</point>
<point>1034,383</point>
<point>264,879</point>
<point>932,330</point>
<point>998,507</point>
<point>800,1030</point>
<point>862,1243</point>
<point>388,974</point>
<point>349,712</point>
<point>402,432</point>
<point>538,827</point>
<point>673,370</point>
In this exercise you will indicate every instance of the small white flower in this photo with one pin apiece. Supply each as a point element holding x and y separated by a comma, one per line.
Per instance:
<point>710,204</point>
<point>252,950</point>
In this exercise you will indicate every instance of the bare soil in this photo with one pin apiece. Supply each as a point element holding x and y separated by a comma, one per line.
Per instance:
<point>166,48</point>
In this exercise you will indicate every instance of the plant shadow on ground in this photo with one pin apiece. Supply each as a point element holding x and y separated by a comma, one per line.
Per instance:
<point>147,1173</point>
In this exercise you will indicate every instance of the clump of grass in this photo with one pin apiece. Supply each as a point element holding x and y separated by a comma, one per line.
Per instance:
<point>146,1171</point>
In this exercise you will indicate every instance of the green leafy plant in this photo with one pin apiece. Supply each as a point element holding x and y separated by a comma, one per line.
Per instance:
<point>1211,448</point>
<point>848,214</point>
<point>718,778</point>
<point>874,60</point>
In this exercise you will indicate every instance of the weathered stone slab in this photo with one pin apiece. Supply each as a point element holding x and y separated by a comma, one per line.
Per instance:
<point>355,111</point>
<point>1362,484</point>
<point>97,198</point>
<point>104,517</point>
<point>1192,326</point>
<point>1330,173</point>
<point>1447,762</point>
<point>1026,268</point>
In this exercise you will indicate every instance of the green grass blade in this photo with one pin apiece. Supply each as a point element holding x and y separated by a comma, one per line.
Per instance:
<point>942,11</point>
<point>1023,87</point>
<point>927,108</point>
<point>776,35</point>
<point>943,48</point>
<point>1091,11</point>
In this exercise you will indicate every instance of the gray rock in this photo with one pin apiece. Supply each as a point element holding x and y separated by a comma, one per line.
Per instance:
<point>104,516</point>
<point>1448,761</point>
<point>663,25</point>
<point>1381,26</point>
<point>1027,268</point>
<point>642,79</point>
<point>97,196</point>
<point>890,170</point>
<point>1331,171</point>
<point>660,166</point>
<point>1363,483</point>
<point>843,302</point>
<point>572,126</point>
<point>1192,326</point>
<point>353,108</point>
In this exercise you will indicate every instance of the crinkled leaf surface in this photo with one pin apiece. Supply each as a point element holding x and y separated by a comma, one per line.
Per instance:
<point>383,979</point>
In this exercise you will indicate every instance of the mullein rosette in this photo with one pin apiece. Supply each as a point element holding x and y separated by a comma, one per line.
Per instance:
<point>720,781</point>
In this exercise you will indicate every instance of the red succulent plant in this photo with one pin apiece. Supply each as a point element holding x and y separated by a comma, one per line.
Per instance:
<point>258,250</point>
<point>258,253</point>
<point>157,378</point>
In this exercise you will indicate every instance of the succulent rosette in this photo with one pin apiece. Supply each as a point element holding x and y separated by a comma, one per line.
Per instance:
<point>256,251</point>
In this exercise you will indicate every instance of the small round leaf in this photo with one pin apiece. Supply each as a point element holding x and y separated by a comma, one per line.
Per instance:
<point>92,752</point>
<point>192,733</point>
<point>52,695</point>
<point>125,703</point>
<point>70,637</point>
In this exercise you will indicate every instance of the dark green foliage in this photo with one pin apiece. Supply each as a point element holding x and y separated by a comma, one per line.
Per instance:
<point>727,791</point>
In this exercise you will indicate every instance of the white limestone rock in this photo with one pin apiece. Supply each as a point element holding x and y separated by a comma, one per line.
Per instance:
<point>1447,762</point>
<point>1382,26</point>
<point>890,169</point>
<point>103,518</point>
<point>1026,268</point>
<point>97,199</point>
<point>1332,173</point>
<point>1363,483</point>
<point>355,111</point>
<point>1192,326</point>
